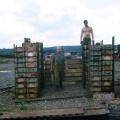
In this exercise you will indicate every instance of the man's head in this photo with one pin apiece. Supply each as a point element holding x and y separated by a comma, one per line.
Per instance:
<point>86,23</point>
<point>58,49</point>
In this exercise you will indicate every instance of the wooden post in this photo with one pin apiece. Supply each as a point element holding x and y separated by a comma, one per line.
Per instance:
<point>113,64</point>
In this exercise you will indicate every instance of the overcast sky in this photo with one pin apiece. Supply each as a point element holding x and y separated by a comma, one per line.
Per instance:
<point>57,22</point>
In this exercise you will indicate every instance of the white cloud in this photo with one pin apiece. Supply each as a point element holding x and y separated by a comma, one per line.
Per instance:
<point>57,22</point>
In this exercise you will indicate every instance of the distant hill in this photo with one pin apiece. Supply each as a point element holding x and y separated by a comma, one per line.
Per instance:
<point>6,53</point>
<point>47,50</point>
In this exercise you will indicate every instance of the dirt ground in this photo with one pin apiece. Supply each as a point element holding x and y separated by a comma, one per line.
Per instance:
<point>8,101</point>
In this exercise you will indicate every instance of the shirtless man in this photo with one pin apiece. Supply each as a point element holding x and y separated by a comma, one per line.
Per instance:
<point>86,34</point>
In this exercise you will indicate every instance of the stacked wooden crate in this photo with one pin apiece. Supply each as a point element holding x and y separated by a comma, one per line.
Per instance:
<point>107,68</point>
<point>86,65</point>
<point>72,71</point>
<point>95,68</point>
<point>28,70</point>
<point>47,70</point>
<point>101,68</point>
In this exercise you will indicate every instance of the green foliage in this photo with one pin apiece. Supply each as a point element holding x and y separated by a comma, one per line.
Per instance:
<point>6,53</point>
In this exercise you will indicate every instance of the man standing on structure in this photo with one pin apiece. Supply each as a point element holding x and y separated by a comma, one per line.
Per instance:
<point>57,67</point>
<point>86,34</point>
<point>85,40</point>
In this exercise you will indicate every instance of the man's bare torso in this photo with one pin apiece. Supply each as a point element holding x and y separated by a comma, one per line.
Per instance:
<point>87,31</point>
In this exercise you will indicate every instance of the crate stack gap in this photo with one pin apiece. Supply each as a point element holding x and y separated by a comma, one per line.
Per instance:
<point>29,70</point>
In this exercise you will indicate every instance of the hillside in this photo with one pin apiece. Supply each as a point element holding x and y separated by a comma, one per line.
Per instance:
<point>47,50</point>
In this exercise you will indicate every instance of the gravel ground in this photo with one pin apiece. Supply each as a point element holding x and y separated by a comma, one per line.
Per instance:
<point>7,103</point>
<point>7,99</point>
<point>64,103</point>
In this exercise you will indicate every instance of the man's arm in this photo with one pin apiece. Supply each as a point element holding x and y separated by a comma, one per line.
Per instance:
<point>92,34</point>
<point>81,36</point>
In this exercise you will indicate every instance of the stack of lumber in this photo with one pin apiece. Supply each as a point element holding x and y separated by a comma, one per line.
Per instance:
<point>72,71</point>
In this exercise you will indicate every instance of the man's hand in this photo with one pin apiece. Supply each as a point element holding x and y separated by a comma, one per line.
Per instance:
<point>81,42</point>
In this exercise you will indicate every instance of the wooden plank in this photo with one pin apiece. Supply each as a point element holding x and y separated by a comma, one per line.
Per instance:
<point>32,90</point>
<point>69,62</point>
<point>107,57</point>
<point>73,67</point>
<point>32,95</point>
<point>107,67</point>
<point>97,89</point>
<point>19,49</point>
<point>107,78</point>
<point>71,83</point>
<point>96,78</point>
<point>109,83</point>
<point>95,84</point>
<point>20,96</point>
<point>72,74</point>
<point>72,78</point>
<point>73,70</point>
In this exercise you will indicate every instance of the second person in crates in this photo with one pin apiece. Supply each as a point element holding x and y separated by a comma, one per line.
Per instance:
<point>57,67</point>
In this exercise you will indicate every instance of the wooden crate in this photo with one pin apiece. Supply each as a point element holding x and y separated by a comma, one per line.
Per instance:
<point>20,86</point>
<point>69,62</point>
<point>107,68</point>
<point>96,84</point>
<point>95,89</point>
<point>20,80</point>
<point>31,59</point>
<point>69,79</point>
<point>73,70</point>
<point>107,63</point>
<point>32,64</point>
<point>20,65</point>
<point>96,78</point>
<point>19,55</point>
<point>73,66</point>
<point>107,47</point>
<point>32,90</point>
<point>104,57</point>
<point>20,60</point>
<point>107,83</point>
<point>19,69</point>
<point>31,80</point>
<point>107,78</point>
<point>34,74</point>
<point>21,91</point>
<point>32,95</point>
<point>32,70</point>
<point>32,85</point>
<point>72,74</point>
<point>107,52</point>
<point>30,54</point>
<point>20,75</point>
<point>19,49</point>
<point>21,96</point>
<point>107,73</point>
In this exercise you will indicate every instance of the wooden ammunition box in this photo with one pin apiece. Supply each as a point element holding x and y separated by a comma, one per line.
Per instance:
<point>33,64</point>
<point>20,80</point>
